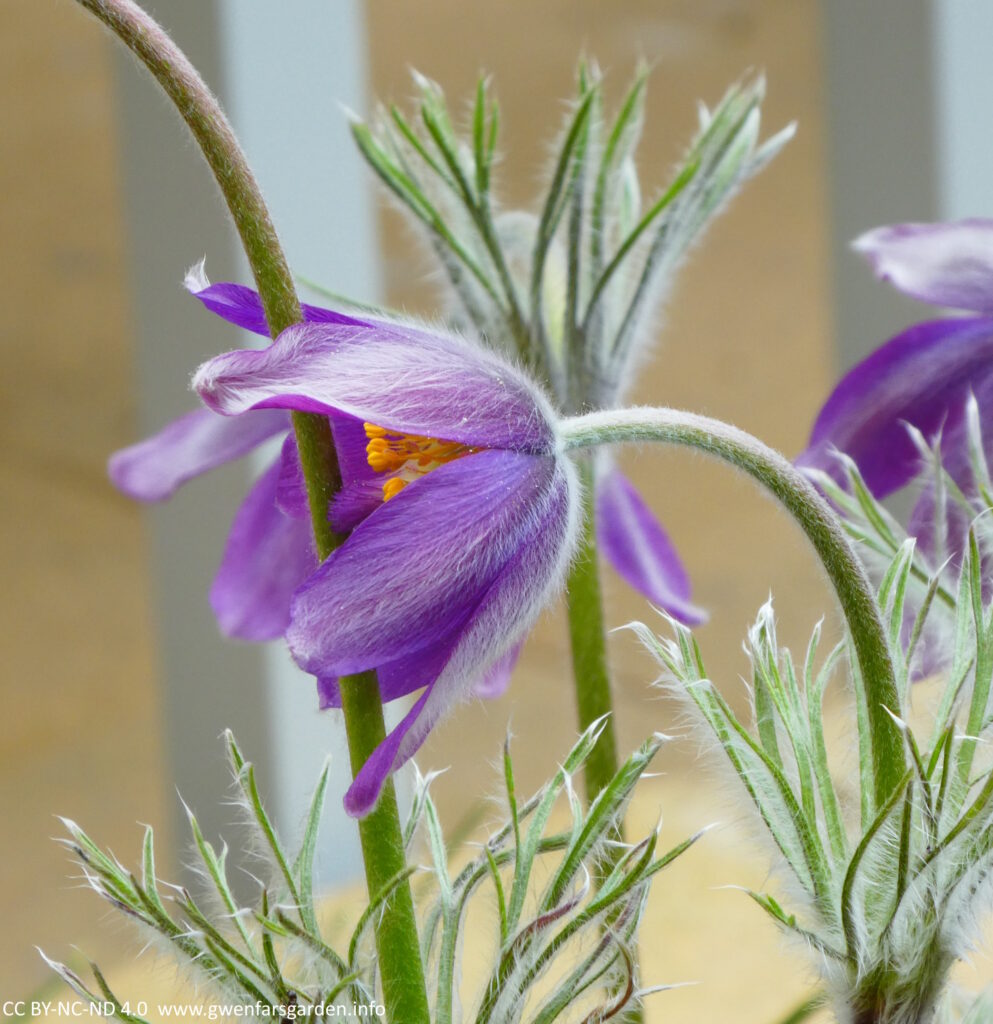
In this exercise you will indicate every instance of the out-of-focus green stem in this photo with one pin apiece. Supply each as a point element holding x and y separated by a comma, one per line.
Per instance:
<point>400,966</point>
<point>818,521</point>
<point>589,646</point>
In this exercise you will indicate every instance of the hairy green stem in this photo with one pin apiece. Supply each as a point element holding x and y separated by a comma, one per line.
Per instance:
<point>589,646</point>
<point>384,861</point>
<point>818,521</point>
<point>404,990</point>
<point>591,675</point>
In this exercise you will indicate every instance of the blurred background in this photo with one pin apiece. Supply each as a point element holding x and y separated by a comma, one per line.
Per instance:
<point>115,684</point>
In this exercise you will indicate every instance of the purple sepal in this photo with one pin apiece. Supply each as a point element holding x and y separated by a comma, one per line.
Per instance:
<point>944,264</point>
<point>267,557</point>
<point>242,306</point>
<point>640,550</point>
<point>410,380</point>
<point>413,571</point>
<point>922,377</point>
<point>362,794</point>
<point>155,468</point>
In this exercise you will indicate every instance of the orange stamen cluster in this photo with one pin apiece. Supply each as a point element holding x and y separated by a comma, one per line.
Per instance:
<point>406,456</point>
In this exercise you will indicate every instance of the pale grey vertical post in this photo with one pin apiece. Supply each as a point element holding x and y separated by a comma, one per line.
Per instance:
<point>281,71</point>
<point>289,71</point>
<point>963,58</point>
<point>909,88</point>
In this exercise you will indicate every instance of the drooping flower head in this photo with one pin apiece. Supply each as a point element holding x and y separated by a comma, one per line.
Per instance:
<point>462,510</point>
<point>269,553</point>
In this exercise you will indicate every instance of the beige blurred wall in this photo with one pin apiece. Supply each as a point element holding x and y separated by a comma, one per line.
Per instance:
<point>745,337</point>
<point>79,731</point>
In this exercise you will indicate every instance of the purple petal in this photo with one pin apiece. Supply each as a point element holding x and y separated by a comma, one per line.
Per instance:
<point>242,307</point>
<point>361,489</point>
<point>412,572</point>
<point>503,615</point>
<point>944,264</point>
<point>291,488</point>
<point>640,550</point>
<point>923,377</point>
<point>267,557</point>
<point>396,678</point>
<point>404,676</point>
<point>364,791</point>
<point>153,469</point>
<point>396,376</point>
<point>496,679</point>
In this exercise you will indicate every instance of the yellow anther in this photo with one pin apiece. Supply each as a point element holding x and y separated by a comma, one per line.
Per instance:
<point>406,456</point>
<point>393,487</point>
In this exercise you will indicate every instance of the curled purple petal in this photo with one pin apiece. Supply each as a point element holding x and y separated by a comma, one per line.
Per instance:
<point>267,557</point>
<point>242,306</point>
<point>640,550</point>
<point>502,616</point>
<point>364,791</point>
<point>438,385</point>
<point>944,264</point>
<point>155,468</point>
<point>413,571</point>
<point>922,377</point>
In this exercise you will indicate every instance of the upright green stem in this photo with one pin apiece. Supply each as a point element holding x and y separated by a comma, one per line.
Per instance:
<point>822,528</point>
<point>591,676</point>
<point>589,646</point>
<point>400,966</point>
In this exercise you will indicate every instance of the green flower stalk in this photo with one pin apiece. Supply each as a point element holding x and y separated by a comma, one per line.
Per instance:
<point>886,757</point>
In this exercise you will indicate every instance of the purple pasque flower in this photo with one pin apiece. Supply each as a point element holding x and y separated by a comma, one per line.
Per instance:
<point>628,532</point>
<point>924,376</point>
<point>460,507</point>
<point>250,604</point>
<point>269,553</point>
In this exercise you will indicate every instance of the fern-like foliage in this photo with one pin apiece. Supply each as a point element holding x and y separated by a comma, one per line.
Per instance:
<point>887,896</point>
<point>570,288</point>
<point>566,903</point>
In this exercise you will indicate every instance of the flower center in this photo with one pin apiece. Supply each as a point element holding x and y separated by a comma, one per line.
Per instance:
<point>405,457</point>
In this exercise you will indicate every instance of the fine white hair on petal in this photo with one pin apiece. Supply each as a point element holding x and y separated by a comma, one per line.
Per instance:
<point>508,613</point>
<point>195,279</point>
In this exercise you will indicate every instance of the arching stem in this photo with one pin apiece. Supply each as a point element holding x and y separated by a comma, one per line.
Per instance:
<point>819,523</point>
<point>397,943</point>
